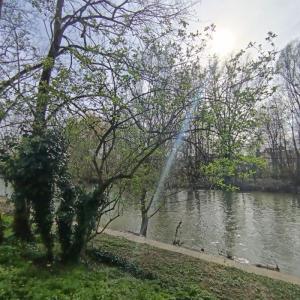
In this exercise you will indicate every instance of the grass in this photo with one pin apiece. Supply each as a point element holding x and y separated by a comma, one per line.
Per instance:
<point>126,270</point>
<point>24,274</point>
<point>20,279</point>
<point>23,279</point>
<point>178,271</point>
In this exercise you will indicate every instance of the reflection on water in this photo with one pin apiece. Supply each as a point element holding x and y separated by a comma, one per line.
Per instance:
<point>261,227</point>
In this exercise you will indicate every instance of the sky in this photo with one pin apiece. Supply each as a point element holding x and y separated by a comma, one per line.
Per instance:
<point>250,20</point>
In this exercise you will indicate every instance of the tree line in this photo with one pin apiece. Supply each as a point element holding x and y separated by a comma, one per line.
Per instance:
<point>248,125</point>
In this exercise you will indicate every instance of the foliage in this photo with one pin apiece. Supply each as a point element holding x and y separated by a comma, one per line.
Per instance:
<point>32,168</point>
<point>38,170</point>
<point>1,229</point>
<point>142,187</point>
<point>65,213</point>
<point>83,141</point>
<point>223,172</point>
<point>227,122</point>
<point>236,88</point>
<point>147,175</point>
<point>87,209</point>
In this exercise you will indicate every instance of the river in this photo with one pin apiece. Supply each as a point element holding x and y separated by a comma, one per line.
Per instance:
<point>255,227</point>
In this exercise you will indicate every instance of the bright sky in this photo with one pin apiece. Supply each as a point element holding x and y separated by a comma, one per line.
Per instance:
<point>242,21</point>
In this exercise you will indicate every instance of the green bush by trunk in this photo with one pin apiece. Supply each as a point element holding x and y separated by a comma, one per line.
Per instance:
<point>38,171</point>
<point>86,218</point>
<point>65,216</point>
<point>31,168</point>
<point>1,229</point>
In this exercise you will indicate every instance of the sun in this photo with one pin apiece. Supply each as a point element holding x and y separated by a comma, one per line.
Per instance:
<point>223,42</point>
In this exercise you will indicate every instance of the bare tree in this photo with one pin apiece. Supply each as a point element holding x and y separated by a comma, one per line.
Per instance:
<point>1,4</point>
<point>275,130</point>
<point>227,119</point>
<point>289,69</point>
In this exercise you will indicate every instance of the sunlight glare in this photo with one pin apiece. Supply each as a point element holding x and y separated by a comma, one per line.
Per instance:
<point>223,42</point>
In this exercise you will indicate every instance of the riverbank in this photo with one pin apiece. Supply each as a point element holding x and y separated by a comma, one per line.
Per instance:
<point>175,269</point>
<point>206,257</point>
<point>116,268</point>
<point>269,185</point>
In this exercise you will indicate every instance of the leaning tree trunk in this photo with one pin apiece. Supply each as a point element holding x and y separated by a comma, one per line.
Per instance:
<point>297,177</point>
<point>144,225</point>
<point>144,212</point>
<point>42,102</point>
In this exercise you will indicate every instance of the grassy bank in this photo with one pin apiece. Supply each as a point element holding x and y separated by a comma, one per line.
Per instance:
<point>180,272</point>
<point>24,274</point>
<point>20,279</point>
<point>126,270</point>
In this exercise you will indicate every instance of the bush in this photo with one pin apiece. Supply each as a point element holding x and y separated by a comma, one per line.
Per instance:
<point>32,168</point>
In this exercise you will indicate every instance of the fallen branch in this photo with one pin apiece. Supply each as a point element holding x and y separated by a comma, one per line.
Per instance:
<point>268,267</point>
<point>176,240</point>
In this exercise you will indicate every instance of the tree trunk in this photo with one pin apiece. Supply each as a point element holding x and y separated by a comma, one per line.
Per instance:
<point>21,225</point>
<point>297,177</point>
<point>1,230</point>
<point>144,225</point>
<point>144,211</point>
<point>1,4</point>
<point>43,208</point>
<point>65,216</point>
<point>39,123</point>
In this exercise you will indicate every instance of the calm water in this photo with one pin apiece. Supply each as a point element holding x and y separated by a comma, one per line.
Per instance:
<point>260,227</point>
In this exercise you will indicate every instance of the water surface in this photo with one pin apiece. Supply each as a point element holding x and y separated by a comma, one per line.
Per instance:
<point>260,227</point>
